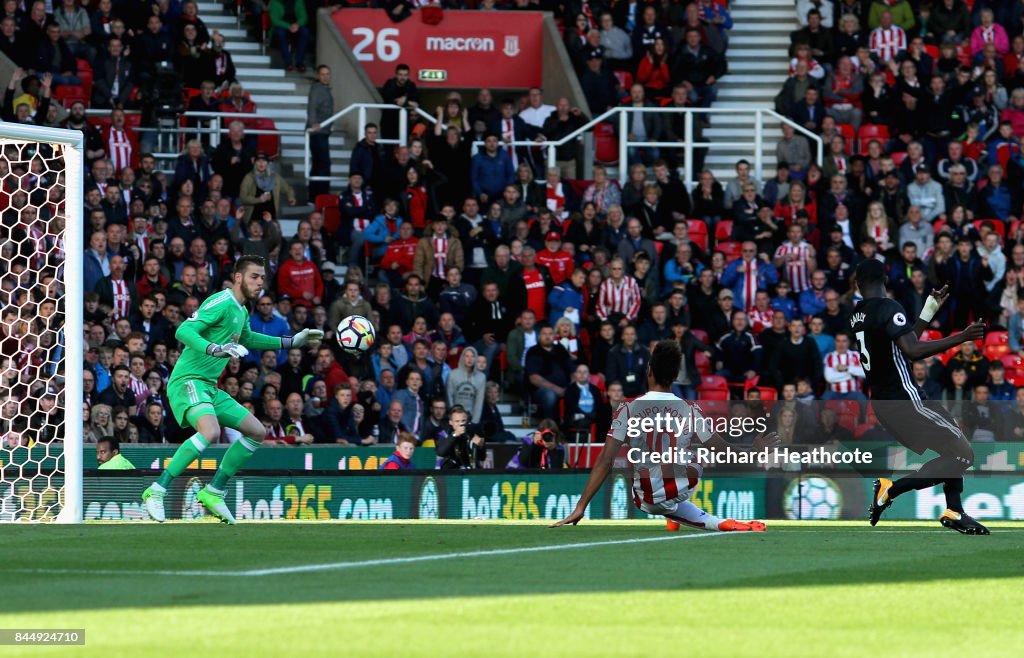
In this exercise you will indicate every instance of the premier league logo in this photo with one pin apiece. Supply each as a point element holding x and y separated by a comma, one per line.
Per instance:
<point>511,45</point>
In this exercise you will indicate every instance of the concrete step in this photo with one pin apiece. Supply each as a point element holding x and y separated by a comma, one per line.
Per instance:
<point>767,65</point>
<point>754,40</point>
<point>744,105</point>
<point>259,72</point>
<point>740,51</point>
<point>251,59</point>
<point>755,79</point>
<point>282,87</point>
<point>336,155</point>
<point>233,34</point>
<point>727,134</point>
<point>760,27</point>
<point>748,92</point>
<point>217,20</point>
<point>766,4</point>
<point>745,14</point>
<point>248,47</point>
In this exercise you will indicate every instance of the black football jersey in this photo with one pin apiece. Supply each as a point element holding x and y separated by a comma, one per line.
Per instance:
<point>876,324</point>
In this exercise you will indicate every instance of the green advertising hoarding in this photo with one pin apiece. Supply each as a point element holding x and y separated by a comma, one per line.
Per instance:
<point>512,496</point>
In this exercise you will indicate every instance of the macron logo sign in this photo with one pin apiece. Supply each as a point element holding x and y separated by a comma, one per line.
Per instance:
<point>461,44</point>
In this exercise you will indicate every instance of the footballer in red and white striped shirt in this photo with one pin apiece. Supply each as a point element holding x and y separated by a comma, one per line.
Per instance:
<point>663,488</point>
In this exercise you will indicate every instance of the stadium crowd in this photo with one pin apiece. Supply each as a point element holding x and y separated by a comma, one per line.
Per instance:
<point>487,275</point>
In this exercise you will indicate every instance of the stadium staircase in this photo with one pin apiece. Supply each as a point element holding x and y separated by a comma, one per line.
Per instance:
<point>758,62</point>
<point>278,94</point>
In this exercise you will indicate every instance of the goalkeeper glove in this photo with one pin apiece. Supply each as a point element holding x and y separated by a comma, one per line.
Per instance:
<point>303,338</point>
<point>227,350</point>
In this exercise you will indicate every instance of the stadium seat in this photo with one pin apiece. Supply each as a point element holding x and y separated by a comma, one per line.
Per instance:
<point>994,352</point>
<point>938,226</point>
<point>723,230</point>
<point>68,94</point>
<point>698,232</point>
<point>768,393</point>
<point>1012,362</point>
<point>850,134</point>
<point>899,157</point>
<point>1013,228</point>
<point>948,354</point>
<point>998,225</point>
<point>997,338</point>
<point>932,51</point>
<point>625,79</point>
<point>597,380</point>
<point>730,249</point>
<point>714,382</point>
<point>715,407</point>
<point>712,394</point>
<point>931,334</point>
<point>842,407</point>
<point>870,131</point>
<point>849,421</point>
<point>268,143</point>
<point>703,363</point>
<point>606,144</point>
<point>701,335</point>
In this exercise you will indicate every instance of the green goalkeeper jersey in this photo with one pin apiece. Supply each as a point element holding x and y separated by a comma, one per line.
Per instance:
<point>219,320</point>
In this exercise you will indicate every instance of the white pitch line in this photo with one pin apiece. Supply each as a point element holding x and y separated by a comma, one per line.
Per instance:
<point>328,566</point>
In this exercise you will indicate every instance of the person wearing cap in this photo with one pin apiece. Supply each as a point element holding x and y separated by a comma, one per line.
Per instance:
<point>263,189</point>
<point>559,263</point>
<point>435,253</point>
<point>926,193</point>
<point>599,85</point>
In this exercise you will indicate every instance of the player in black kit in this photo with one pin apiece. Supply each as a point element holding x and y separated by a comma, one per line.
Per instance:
<point>888,343</point>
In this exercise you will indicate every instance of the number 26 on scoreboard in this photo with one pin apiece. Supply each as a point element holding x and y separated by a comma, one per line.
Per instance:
<point>383,43</point>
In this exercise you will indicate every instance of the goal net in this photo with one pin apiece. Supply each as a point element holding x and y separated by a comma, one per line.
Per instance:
<point>41,306</point>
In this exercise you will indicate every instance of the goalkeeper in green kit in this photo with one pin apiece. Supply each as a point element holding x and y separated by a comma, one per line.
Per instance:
<point>217,331</point>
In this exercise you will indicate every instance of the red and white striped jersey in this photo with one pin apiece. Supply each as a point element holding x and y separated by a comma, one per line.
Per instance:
<point>122,298</point>
<point>794,266</point>
<point>655,483</point>
<point>440,256</point>
<point>119,147</point>
<point>141,393</point>
<point>887,43</point>
<point>760,320</point>
<point>845,381</point>
<point>748,289</point>
<point>624,298</point>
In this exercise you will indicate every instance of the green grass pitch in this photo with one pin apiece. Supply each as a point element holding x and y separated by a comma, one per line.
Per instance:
<point>801,589</point>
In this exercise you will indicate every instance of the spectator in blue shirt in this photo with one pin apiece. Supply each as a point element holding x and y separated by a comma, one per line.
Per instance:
<point>384,228</point>
<point>812,300</point>
<point>491,170</point>
<point>783,302</point>
<point>265,321</point>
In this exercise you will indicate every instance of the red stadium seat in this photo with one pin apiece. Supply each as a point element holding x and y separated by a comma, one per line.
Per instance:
<point>712,394</point>
<point>714,407</point>
<point>714,382</point>
<point>730,249</point>
<point>701,335</point>
<point>848,132</point>
<point>948,354</point>
<point>1013,229</point>
<point>768,393</point>
<point>994,352</point>
<point>268,143</point>
<point>703,363</point>
<point>86,78</point>
<point>938,226</point>
<point>870,131</point>
<point>68,94</point>
<point>606,144</point>
<point>1012,362</point>
<point>998,225</point>
<point>723,230</point>
<point>931,334</point>
<point>698,232</point>
<point>933,51</point>
<point>849,421</point>
<point>625,79</point>
<point>899,157</point>
<point>842,407</point>
<point>997,338</point>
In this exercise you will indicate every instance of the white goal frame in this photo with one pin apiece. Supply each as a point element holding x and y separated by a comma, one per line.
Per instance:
<point>74,231</point>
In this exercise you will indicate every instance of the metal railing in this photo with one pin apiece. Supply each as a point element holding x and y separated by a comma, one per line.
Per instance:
<point>362,109</point>
<point>620,116</point>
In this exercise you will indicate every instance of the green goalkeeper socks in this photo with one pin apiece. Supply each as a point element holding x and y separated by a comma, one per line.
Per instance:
<point>187,453</point>
<point>239,453</point>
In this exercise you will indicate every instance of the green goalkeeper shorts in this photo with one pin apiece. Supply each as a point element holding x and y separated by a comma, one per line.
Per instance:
<point>190,399</point>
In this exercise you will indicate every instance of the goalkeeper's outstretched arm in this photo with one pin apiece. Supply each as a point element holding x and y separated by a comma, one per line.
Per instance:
<point>598,474</point>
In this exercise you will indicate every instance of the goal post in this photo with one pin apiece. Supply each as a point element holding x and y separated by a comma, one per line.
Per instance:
<point>42,226</point>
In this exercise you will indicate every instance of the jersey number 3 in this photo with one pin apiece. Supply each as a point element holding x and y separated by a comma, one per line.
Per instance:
<point>862,345</point>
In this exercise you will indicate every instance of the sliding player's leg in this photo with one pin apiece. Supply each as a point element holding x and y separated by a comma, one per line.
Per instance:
<point>193,405</point>
<point>686,513</point>
<point>233,415</point>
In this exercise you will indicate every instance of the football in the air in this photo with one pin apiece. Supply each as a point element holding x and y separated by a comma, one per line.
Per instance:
<point>356,334</point>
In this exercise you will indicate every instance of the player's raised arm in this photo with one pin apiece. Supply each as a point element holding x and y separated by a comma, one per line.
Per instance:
<point>598,474</point>
<point>935,301</point>
<point>915,349</point>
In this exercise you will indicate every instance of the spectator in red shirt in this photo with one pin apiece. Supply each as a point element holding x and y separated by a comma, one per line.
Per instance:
<point>402,458</point>
<point>399,255</point>
<point>537,281</point>
<point>300,278</point>
<point>559,263</point>
<point>328,368</point>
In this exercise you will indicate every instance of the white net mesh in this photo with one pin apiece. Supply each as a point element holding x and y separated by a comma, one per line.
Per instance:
<point>35,377</point>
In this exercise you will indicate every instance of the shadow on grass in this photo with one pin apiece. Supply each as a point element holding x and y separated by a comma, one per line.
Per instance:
<point>823,556</point>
